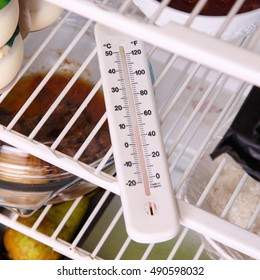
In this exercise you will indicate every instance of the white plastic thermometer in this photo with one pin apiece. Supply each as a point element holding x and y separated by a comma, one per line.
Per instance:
<point>147,196</point>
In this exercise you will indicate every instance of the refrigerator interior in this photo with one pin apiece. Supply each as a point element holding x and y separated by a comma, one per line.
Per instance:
<point>196,98</point>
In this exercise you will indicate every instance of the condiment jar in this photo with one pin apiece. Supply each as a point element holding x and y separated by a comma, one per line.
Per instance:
<point>9,14</point>
<point>11,58</point>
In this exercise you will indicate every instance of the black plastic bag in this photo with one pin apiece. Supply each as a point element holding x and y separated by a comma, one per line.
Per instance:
<point>242,140</point>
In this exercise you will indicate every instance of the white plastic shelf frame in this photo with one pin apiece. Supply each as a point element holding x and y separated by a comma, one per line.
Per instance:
<point>201,80</point>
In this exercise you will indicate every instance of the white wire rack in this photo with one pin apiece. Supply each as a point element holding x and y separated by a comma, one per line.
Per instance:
<point>200,82</point>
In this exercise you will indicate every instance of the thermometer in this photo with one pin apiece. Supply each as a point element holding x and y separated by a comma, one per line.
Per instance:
<point>147,196</point>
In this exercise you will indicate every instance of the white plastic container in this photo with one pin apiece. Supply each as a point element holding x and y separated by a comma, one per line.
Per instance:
<point>11,58</point>
<point>222,193</point>
<point>9,14</point>
<point>42,13</point>
<point>240,24</point>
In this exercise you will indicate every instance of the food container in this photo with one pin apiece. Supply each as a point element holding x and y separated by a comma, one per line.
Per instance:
<point>240,24</point>
<point>228,177</point>
<point>27,182</point>
<point>42,13</point>
<point>9,14</point>
<point>11,57</point>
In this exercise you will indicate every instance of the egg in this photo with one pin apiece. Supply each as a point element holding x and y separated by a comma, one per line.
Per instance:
<point>42,13</point>
<point>11,58</point>
<point>9,15</point>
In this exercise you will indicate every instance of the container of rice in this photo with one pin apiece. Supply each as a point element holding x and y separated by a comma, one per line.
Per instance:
<point>233,195</point>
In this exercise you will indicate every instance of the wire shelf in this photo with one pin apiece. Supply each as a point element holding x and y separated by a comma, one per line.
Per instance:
<point>200,82</point>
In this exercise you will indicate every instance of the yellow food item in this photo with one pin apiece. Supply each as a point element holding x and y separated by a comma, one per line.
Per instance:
<point>23,247</point>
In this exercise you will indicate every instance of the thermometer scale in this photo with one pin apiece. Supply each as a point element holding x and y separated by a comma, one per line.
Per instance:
<point>146,192</point>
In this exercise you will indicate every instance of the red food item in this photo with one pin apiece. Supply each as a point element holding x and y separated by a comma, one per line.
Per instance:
<point>214,7</point>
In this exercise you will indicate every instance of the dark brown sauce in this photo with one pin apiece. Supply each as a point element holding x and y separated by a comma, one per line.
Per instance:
<point>214,7</point>
<point>61,115</point>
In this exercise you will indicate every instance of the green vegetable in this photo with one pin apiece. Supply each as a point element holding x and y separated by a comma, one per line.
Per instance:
<point>22,247</point>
